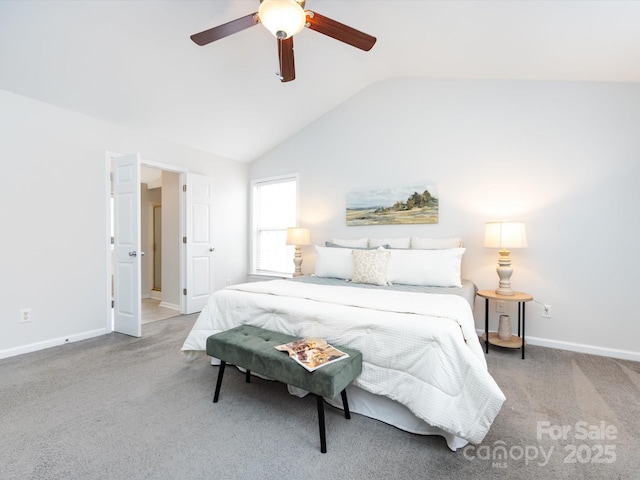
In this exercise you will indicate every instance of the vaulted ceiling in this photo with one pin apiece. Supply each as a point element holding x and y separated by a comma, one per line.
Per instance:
<point>132,62</point>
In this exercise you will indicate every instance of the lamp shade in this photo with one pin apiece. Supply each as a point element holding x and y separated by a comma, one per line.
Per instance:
<point>298,236</point>
<point>505,235</point>
<point>283,18</point>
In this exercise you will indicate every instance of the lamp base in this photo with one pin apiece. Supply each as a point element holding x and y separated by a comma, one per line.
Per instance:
<point>504,291</point>
<point>297,261</point>
<point>504,272</point>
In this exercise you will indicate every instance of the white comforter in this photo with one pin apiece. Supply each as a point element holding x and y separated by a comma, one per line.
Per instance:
<point>418,349</point>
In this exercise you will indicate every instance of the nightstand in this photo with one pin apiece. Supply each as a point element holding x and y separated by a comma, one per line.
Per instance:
<point>516,341</point>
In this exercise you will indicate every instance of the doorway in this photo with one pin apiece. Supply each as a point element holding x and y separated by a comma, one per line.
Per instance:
<point>187,264</point>
<point>160,268</point>
<point>157,187</point>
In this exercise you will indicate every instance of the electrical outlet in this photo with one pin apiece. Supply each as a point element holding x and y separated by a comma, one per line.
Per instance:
<point>228,282</point>
<point>25,315</point>
<point>546,312</point>
<point>500,306</point>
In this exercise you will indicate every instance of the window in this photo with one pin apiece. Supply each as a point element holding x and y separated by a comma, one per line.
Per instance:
<point>274,210</point>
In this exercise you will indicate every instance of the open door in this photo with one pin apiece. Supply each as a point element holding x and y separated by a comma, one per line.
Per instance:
<point>127,254</point>
<point>199,271</point>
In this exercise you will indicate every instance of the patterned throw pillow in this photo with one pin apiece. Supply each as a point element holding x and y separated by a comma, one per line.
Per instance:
<point>370,266</point>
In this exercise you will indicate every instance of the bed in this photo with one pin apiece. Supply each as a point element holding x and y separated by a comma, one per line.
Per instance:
<point>424,370</point>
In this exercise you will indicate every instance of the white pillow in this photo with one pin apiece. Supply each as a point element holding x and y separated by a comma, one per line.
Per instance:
<point>436,268</point>
<point>334,262</point>
<point>370,266</point>
<point>359,243</point>
<point>435,243</point>
<point>402,242</point>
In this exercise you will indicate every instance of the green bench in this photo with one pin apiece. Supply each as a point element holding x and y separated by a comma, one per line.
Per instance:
<point>253,348</point>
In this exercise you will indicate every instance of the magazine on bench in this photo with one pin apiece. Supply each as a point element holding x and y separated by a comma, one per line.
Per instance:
<point>312,353</point>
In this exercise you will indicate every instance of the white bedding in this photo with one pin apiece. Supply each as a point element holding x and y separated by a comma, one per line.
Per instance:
<point>420,350</point>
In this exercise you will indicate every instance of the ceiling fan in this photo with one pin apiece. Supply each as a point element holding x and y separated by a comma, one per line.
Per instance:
<point>285,18</point>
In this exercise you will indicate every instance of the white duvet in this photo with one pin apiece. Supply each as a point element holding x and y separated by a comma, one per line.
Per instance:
<point>418,349</point>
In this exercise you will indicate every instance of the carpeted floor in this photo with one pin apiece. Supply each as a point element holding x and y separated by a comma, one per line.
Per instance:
<point>117,407</point>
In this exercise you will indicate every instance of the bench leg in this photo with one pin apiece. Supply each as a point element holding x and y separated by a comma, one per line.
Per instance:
<point>248,376</point>
<point>323,437</point>
<point>345,404</point>
<point>219,382</point>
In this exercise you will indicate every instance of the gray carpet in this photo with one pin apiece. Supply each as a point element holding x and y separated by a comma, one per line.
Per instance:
<point>117,407</point>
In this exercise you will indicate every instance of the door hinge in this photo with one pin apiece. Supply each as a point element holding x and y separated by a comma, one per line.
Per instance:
<point>111,176</point>
<point>184,291</point>
<point>184,239</point>
<point>184,188</point>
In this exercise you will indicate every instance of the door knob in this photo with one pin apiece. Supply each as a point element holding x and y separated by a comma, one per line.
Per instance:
<point>132,254</point>
<point>211,249</point>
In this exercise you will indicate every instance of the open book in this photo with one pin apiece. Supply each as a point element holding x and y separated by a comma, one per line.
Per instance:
<point>312,353</point>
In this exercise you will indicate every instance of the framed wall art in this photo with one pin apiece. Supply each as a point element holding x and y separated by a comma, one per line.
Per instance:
<point>393,206</point>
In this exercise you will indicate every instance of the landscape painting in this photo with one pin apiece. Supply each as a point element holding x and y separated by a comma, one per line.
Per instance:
<point>393,206</point>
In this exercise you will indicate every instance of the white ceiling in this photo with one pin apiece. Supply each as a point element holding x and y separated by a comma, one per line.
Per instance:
<point>132,62</point>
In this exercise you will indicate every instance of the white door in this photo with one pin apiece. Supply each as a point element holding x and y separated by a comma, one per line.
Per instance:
<point>199,242</point>
<point>126,251</point>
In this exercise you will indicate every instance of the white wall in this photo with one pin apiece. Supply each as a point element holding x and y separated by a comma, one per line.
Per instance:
<point>53,215</point>
<point>564,157</point>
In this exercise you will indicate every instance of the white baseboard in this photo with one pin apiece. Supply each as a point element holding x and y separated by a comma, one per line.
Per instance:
<point>54,342</point>
<point>580,348</point>
<point>542,342</point>
<point>155,294</point>
<point>172,306</point>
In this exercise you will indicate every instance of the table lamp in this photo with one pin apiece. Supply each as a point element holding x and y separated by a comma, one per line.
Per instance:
<point>505,235</point>
<point>298,236</point>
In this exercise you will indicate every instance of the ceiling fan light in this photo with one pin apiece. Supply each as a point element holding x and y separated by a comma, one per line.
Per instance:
<point>283,18</point>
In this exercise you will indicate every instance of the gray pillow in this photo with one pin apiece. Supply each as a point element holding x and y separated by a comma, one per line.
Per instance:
<point>335,245</point>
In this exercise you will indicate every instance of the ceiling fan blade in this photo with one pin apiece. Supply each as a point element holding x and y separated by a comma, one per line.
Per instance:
<point>285,57</point>
<point>340,31</point>
<point>226,29</point>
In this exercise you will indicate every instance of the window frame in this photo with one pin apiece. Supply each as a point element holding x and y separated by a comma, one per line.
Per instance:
<point>255,184</point>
